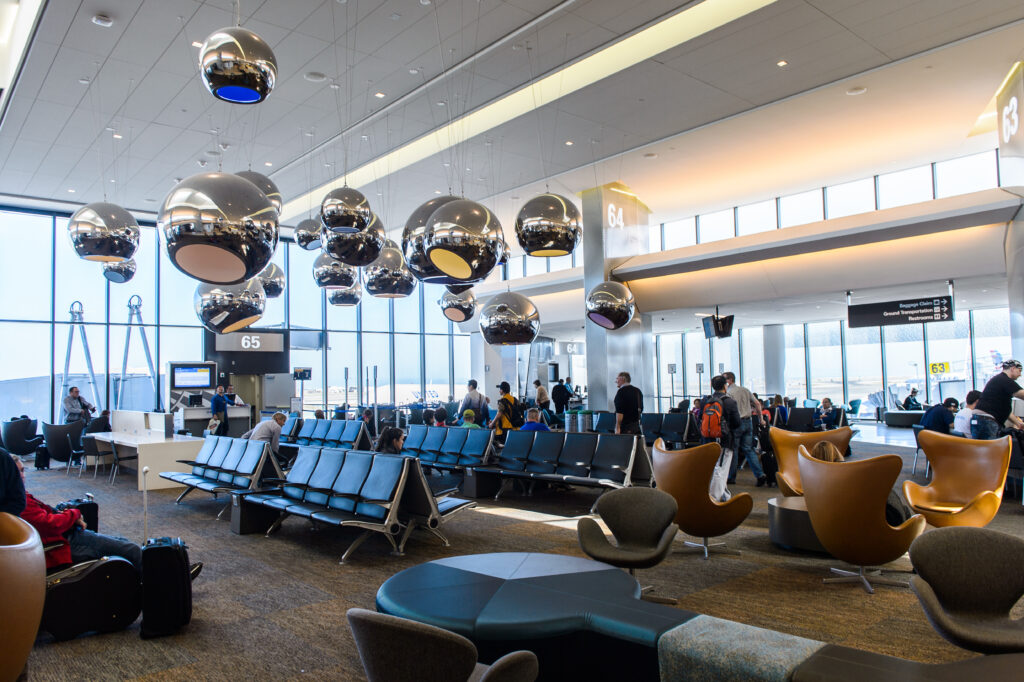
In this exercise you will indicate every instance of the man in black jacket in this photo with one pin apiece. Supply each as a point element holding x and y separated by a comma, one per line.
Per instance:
<point>561,396</point>
<point>12,488</point>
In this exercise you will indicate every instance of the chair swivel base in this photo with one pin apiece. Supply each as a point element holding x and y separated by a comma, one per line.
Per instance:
<point>860,576</point>
<point>644,593</point>
<point>719,547</point>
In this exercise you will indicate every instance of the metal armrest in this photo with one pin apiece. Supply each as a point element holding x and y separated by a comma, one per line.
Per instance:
<point>366,501</point>
<point>278,481</point>
<point>192,462</point>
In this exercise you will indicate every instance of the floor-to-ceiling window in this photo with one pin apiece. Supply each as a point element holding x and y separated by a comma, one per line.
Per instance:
<point>825,354</point>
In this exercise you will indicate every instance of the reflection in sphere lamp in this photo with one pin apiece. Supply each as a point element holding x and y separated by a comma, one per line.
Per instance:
<point>104,232</point>
<point>610,305</point>
<point>237,66</point>
<point>227,308</point>
<point>458,288</point>
<point>503,257</point>
<point>119,273</point>
<point>307,234</point>
<point>388,276</point>
<point>272,279</point>
<point>266,185</point>
<point>464,240</point>
<point>219,228</point>
<point>345,210</point>
<point>356,248</point>
<point>414,242</point>
<point>346,297</point>
<point>331,273</point>
<point>458,307</point>
<point>509,319</point>
<point>548,225</point>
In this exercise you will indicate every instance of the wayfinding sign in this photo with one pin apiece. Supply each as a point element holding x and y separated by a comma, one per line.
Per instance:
<point>911,311</point>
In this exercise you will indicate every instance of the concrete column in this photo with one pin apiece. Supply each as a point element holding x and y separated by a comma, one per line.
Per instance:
<point>1014,249</point>
<point>775,359</point>
<point>491,366</point>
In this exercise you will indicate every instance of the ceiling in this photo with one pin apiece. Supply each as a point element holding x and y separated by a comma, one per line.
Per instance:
<point>726,123</point>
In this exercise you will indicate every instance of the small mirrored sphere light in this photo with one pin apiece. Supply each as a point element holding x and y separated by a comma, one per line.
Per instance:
<point>266,185</point>
<point>509,319</point>
<point>119,273</point>
<point>272,279</point>
<point>307,234</point>
<point>331,273</point>
<point>464,240</point>
<point>218,228</point>
<point>237,65</point>
<point>388,276</point>
<point>227,308</point>
<point>104,232</point>
<point>345,209</point>
<point>610,305</point>
<point>458,307</point>
<point>414,242</point>
<point>355,248</point>
<point>549,225</point>
<point>346,297</point>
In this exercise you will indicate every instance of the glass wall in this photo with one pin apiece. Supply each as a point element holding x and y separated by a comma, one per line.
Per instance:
<point>826,361</point>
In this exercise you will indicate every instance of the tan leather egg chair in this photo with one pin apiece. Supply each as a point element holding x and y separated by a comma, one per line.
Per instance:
<point>686,476</point>
<point>846,503</point>
<point>785,444</point>
<point>967,483</point>
<point>23,568</point>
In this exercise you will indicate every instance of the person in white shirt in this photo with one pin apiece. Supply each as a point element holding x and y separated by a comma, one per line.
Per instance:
<point>268,431</point>
<point>962,420</point>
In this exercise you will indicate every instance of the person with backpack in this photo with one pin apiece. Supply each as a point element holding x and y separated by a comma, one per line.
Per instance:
<point>719,423</point>
<point>516,414</point>
<point>744,435</point>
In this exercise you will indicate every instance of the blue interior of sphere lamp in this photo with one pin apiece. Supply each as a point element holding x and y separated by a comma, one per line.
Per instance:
<point>238,94</point>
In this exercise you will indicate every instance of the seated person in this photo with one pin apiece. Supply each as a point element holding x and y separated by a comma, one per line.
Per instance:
<point>825,415</point>
<point>428,417</point>
<point>962,421</point>
<point>391,441</point>
<point>552,419</point>
<point>782,412</point>
<point>502,422</point>
<point>940,417</point>
<point>371,427</point>
<point>213,425</point>
<point>469,420</point>
<point>533,422</point>
<point>896,510</point>
<point>441,416</point>
<point>910,402</point>
<point>100,424</point>
<point>319,414</point>
<point>268,431</point>
<point>695,411</point>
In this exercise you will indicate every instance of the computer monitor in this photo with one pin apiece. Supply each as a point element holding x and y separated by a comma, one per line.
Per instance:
<point>723,326</point>
<point>195,399</point>
<point>709,327</point>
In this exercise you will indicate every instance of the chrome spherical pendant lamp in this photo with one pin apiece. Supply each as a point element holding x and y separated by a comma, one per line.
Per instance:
<point>464,240</point>
<point>237,65</point>
<point>509,319</point>
<point>610,305</point>
<point>104,232</point>
<point>219,228</point>
<point>266,185</point>
<point>272,279</point>
<point>307,234</point>
<point>119,273</point>
<point>356,248</point>
<point>414,242</point>
<point>345,210</point>
<point>549,225</point>
<point>331,273</point>
<point>458,307</point>
<point>227,308</point>
<point>346,297</point>
<point>388,276</point>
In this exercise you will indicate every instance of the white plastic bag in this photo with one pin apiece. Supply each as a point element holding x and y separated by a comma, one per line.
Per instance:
<point>720,477</point>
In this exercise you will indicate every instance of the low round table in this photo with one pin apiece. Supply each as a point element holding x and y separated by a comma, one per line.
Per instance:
<point>789,525</point>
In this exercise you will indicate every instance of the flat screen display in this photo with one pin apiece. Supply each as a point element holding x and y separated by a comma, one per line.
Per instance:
<point>193,376</point>
<point>709,327</point>
<point>723,326</point>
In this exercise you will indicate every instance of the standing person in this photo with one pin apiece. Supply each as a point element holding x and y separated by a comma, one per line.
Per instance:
<point>568,385</point>
<point>502,422</point>
<point>994,406</point>
<point>940,417</point>
<point>561,396</point>
<point>474,399</point>
<point>729,416</point>
<point>533,422</point>
<point>515,408</point>
<point>744,435</point>
<point>219,409</point>
<point>233,398</point>
<point>543,399</point>
<point>371,427</point>
<point>76,408</point>
<point>911,402</point>
<point>962,421</point>
<point>629,403</point>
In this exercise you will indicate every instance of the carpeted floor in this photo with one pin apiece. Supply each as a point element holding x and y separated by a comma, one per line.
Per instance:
<point>275,608</point>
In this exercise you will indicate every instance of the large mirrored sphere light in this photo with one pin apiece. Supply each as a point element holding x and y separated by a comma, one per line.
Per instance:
<point>104,232</point>
<point>266,185</point>
<point>414,242</point>
<point>548,225</point>
<point>237,66</point>
<point>219,228</point>
<point>464,240</point>
<point>272,279</point>
<point>307,234</point>
<point>227,308</point>
<point>345,210</point>
<point>509,319</point>
<point>331,273</point>
<point>388,276</point>
<point>355,248</point>
<point>119,273</point>
<point>458,307</point>
<point>610,305</point>
<point>346,297</point>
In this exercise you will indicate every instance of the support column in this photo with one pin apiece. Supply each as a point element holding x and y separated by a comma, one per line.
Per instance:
<point>1014,249</point>
<point>775,359</point>
<point>491,365</point>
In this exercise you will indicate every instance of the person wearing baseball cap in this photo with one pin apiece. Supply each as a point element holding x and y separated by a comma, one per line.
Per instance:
<point>995,407</point>
<point>505,392</point>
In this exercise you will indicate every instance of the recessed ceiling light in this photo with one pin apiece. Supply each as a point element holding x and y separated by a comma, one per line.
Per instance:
<point>441,103</point>
<point>117,136</point>
<point>314,76</point>
<point>414,71</point>
<point>781,63</point>
<point>113,180</point>
<point>196,43</point>
<point>436,191</point>
<point>395,16</point>
<point>102,20</point>
<point>514,197</point>
<point>446,164</point>
<point>335,86</point>
<point>568,143</point>
<point>424,2</point>
<point>364,137</point>
<point>84,81</point>
<point>224,146</point>
<point>213,131</point>
<point>856,90</point>
<point>212,152</point>
<point>71,191</point>
<point>651,155</point>
<point>110,129</point>
<point>379,95</point>
<point>328,164</point>
<point>309,133</point>
<point>267,163</point>
<point>150,200</point>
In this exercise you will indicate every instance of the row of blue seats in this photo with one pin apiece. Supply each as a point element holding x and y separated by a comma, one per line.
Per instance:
<point>340,433</point>
<point>226,464</point>
<point>449,447</point>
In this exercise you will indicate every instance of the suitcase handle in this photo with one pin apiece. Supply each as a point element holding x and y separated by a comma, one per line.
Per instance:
<point>145,504</point>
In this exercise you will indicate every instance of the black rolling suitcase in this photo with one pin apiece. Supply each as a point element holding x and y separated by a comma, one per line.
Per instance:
<point>166,587</point>
<point>42,458</point>
<point>95,596</point>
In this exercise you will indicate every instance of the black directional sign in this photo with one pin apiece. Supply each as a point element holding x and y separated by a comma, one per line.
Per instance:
<point>912,311</point>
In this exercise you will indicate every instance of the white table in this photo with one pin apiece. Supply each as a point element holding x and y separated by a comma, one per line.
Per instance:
<point>157,452</point>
